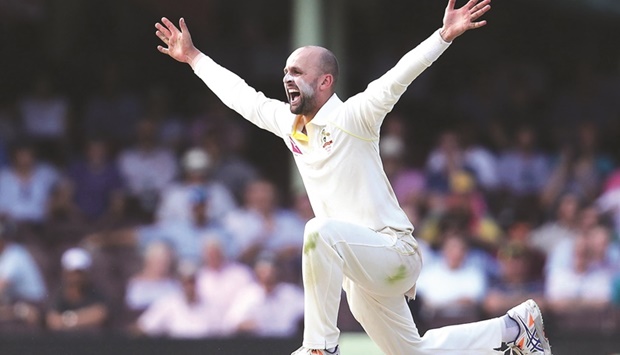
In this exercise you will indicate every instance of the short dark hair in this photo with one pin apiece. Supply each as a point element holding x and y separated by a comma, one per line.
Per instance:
<point>329,64</point>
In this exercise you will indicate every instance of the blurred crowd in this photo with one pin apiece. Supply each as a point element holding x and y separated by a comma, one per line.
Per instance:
<point>121,212</point>
<point>161,226</point>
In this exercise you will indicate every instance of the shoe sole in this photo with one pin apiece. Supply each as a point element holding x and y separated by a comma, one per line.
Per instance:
<point>540,328</point>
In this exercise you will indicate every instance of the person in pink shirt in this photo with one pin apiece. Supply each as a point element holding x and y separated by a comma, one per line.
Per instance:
<point>182,314</point>
<point>220,280</point>
<point>267,307</point>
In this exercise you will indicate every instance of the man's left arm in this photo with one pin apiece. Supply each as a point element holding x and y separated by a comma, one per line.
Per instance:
<point>382,94</point>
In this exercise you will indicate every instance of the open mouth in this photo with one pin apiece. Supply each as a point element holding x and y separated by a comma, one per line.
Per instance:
<point>294,97</point>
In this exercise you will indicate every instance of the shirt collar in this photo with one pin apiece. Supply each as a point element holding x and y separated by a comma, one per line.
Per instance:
<point>324,113</point>
<point>320,119</point>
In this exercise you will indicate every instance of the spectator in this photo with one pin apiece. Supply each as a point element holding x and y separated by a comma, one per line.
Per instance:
<point>562,253</point>
<point>21,286</point>
<point>261,225</point>
<point>518,281</point>
<point>78,306</point>
<point>604,251</point>
<point>450,287</point>
<point>25,186</point>
<point>220,280</point>
<point>155,280</point>
<point>408,183</point>
<point>444,160</point>
<point>461,207</point>
<point>186,236</point>
<point>523,170</point>
<point>180,314</point>
<point>586,282</point>
<point>451,155</point>
<point>96,179</point>
<point>118,249</point>
<point>267,307</point>
<point>175,202</point>
<point>562,228</point>
<point>223,144</point>
<point>64,226</point>
<point>580,169</point>
<point>147,168</point>
<point>480,160</point>
<point>518,234</point>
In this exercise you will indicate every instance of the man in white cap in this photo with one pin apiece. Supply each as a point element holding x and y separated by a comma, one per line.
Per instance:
<point>176,198</point>
<point>78,306</point>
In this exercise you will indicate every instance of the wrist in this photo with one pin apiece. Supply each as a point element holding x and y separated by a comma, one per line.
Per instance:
<point>192,56</point>
<point>446,35</point>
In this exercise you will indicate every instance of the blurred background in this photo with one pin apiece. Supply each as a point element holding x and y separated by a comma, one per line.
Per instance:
<point>139,214</point>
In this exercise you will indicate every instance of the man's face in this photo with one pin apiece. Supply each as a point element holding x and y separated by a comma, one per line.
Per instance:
<point>301,77</point>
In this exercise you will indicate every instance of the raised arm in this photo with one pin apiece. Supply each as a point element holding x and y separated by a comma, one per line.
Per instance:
<point>382,94</point>
<point>233,91</point>
<point>455,23</point>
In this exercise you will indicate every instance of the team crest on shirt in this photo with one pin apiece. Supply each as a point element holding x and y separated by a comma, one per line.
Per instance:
<point>326,140</point>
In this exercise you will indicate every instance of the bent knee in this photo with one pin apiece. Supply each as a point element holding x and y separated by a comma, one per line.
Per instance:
<point>315,229</point>
<point>316,225</point>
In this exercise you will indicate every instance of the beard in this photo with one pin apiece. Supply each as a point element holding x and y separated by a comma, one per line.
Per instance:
<point>307,99</point>
<point>304,106</point>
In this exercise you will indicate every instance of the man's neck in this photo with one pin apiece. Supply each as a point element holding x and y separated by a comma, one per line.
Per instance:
<point>305,119</point>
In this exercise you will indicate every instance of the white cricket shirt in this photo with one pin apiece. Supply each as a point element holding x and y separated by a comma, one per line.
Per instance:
<point>339,158</point>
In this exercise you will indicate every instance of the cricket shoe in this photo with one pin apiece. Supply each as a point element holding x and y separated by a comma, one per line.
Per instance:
<point>531,338</point>
<point>306,351</point>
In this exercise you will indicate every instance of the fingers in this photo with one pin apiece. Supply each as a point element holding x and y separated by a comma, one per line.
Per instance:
<point>163,50</point>
<point>173,29</point>
<point>183,25</point>
<point>478,24</point>
<point>451,4</point>
<point>162,37</point>
<point>480,6</point>
<point>163,30</point>
<point>474,25</point>
<point>476,14</point>
<point>470,4</point>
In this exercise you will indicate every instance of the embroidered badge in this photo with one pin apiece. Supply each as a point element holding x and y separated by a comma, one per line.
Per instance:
<point>326,140</point>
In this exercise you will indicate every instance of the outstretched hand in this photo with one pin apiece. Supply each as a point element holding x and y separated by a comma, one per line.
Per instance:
<point>458,21</point>
<point>179,42</point>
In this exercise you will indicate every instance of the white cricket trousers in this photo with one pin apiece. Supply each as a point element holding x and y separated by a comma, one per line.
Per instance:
<point>376,270</point>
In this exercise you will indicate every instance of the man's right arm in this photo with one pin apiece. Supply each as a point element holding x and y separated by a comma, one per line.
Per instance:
<point>230,88</point>
<point>235,93</point>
